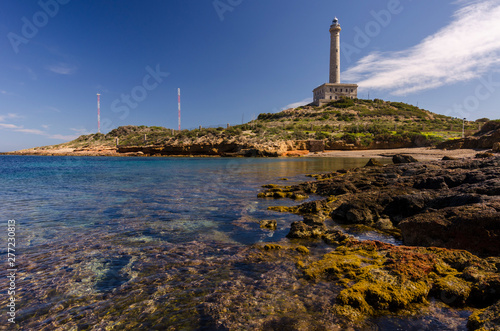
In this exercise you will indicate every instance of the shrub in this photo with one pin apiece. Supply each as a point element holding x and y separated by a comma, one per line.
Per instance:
<point>346,117</point>
<point>349,138</point>
<point>321,135</point>
<point>342,103</point>
<point>299,135</point>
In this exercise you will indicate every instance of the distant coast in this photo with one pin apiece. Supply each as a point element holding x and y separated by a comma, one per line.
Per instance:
<point>420,153</point>
<point>350,128</point>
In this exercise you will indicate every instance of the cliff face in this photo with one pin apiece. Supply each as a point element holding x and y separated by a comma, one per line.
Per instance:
<point>278,148</point>
<point>486,138</point>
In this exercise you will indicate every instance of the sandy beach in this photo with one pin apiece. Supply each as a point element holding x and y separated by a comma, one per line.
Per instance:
<point>421,153</point>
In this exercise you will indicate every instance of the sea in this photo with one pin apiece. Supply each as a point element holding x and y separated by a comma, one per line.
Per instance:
<point>144,243</point>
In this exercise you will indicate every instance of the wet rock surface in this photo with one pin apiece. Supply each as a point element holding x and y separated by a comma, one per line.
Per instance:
<point>447,213</point>
<point>451,204</point>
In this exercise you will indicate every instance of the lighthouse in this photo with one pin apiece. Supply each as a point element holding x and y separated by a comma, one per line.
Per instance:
<point>335,52</point>
<point>334,90</point>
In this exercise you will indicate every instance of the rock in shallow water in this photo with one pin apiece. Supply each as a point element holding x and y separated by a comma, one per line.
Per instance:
<point>400,158</point>
<point>454,204</point>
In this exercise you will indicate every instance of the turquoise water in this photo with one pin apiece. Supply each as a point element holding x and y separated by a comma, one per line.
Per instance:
<point>153,243</point>
<point>165,200</point>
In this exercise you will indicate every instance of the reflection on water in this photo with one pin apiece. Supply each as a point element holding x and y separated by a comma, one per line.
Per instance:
<point>142,243</point>
<point>166,200</point>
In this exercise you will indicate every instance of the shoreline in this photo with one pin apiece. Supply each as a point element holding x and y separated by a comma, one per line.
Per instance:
<point>420,153</point>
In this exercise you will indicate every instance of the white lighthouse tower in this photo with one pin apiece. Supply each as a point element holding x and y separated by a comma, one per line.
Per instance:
<point>334,90</point>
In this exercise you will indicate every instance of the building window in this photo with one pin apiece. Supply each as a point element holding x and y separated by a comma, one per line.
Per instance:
<point>351,90</point>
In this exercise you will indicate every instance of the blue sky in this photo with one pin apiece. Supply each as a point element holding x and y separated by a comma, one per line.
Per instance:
<point>232,59</point>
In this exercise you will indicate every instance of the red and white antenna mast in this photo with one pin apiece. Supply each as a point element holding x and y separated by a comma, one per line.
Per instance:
<point>98,113</point>
<point>179,106</point>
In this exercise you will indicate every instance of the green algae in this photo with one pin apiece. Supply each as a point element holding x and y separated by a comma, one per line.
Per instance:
<point>281,192</point>
<point>485,319</point>
<point>382,278</point>
<point>452,290</point>
<point>269,224</point>
<point>270,247</point>
<point>303,250</point>
<point>283,209</point>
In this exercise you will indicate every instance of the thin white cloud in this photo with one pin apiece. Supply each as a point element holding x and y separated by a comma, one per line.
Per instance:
<point>465,49</point>
<point>81,131</point>
<point>63,137</point>
<point>298,104</point>
<point>6,92</point>
<point>22,129</point>
<point>9,116</point>
<point>62,68</point>
<point>31,131</point>
<point>10,126</point>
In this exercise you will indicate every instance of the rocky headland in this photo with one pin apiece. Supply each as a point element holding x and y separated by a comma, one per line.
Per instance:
<point>486,138</point>
<point>446,215</point>
<point>343,125</point>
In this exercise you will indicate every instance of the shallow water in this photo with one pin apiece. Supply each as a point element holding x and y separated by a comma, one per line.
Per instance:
<point>155,243</point>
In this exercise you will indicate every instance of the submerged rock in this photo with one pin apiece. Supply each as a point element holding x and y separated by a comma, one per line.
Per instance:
<point>382,277</point>
<point>269,224</point>
<point>485,319</point>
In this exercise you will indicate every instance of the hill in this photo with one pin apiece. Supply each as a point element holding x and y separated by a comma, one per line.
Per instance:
<point>341,125</point>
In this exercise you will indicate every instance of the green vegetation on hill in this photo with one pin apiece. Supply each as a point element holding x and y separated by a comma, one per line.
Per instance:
<point>360,122</point>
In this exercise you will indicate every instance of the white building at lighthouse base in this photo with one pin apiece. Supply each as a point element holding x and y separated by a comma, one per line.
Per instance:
<point>330,92</point>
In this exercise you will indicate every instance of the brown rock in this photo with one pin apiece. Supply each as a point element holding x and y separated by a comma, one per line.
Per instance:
<point>476,229</point>
<point>496,147</point>
<point>373,163</point>
<point>400,158</point>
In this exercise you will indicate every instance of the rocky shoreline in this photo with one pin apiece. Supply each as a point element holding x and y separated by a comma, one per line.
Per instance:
<point>421,153</point>
<point>447,214</point>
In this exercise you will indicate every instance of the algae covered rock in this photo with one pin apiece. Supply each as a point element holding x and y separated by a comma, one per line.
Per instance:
<point>270,247</point>
<point>301,230</point>
<point>280,192</point>
<point>452,290</point>
<point>269,224</point>
<point>302,249</point>
<point>485,319</point>
<point>381,277</point>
